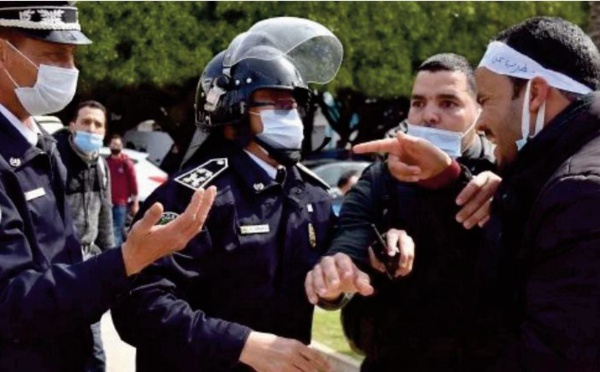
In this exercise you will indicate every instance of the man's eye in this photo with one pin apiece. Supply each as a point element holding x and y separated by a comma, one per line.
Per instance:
<point>448,104</point>
<point>417,104</point>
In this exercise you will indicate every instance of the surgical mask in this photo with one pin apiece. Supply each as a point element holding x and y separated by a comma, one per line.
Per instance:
<point>448,141</point>
<point>281,129</point>
<point>87,142</point>
<point>539,121</point>
<point>54,88</point>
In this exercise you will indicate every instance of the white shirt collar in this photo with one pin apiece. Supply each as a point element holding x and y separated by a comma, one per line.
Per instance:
<point>30,135</point>
<point>271,170</point>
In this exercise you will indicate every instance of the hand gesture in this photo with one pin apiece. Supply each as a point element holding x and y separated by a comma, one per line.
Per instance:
<point>476,199</point>
<point>398,242</point>
<point>410,159</point>
<point>269,353</point>
<point>335,275</point>
<point>147,242</point>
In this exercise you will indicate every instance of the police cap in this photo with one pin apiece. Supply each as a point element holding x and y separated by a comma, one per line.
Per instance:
<point>52,21</point>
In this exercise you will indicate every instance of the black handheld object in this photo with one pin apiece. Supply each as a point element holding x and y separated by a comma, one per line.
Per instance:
<point>379,247</point>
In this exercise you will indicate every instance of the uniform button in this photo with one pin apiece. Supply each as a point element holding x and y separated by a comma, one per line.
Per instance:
<point>505,196</point>
<point>16,340</point>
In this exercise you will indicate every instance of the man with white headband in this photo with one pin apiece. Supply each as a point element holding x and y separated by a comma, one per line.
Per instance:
<point>542,262</point>
<point>400,325</point>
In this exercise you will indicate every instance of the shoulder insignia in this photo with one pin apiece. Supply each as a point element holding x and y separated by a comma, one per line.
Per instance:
<point>204,174</point>
<point>303,169</point>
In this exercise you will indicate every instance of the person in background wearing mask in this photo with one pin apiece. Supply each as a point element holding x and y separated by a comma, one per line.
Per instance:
<point>88,192</point>
<point>49,297</point>
<point>535,81</point>
<point>234,300</point>
<point>423,321</point>
<point>123,186</point>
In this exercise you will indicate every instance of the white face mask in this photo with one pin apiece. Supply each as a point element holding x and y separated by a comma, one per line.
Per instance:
<point>281,129</point>
<point>448,141</point>
<point>539,121</point>
<point>53,90</point>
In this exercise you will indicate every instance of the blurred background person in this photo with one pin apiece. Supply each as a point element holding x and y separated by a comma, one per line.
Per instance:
<point>123,186</point>
<point>88,192</point>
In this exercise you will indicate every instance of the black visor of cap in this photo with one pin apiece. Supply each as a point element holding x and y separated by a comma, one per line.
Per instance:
<point>43,21</point>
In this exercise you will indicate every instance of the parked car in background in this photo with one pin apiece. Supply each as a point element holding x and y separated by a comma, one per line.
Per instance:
<point>51,124</point>
<point>331,172</point>
<point>148,175</point>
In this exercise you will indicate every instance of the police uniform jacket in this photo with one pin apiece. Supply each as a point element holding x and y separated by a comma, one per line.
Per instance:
<point>424,321</point>
<point>193,311</point>
<point>48,298</point>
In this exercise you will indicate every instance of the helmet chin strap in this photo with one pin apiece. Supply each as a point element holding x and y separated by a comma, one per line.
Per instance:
<point>285,157</point>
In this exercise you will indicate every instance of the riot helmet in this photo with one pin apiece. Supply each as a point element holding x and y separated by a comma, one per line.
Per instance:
<point>283,53</point>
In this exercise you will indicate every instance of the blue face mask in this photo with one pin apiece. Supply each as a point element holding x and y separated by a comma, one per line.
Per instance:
<point>87,142</point>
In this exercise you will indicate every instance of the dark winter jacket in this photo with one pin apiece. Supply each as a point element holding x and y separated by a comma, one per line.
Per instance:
<point>88,195</point>
<point>425,321</point>
<point>543,262</point>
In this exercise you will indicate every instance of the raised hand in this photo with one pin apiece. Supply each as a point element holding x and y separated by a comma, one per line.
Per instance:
<point>476,199</point>
<point>147,242</point>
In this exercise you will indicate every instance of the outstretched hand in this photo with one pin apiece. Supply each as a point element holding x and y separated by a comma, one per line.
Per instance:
<point>335,275</point>
<point>411,159</point>
<point>147,242</point>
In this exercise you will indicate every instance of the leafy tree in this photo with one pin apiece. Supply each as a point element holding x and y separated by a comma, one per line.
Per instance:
<point>168,43</point>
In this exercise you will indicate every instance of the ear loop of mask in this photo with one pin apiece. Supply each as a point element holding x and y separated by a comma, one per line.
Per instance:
<point>525,118</point>
<point>24,56</point>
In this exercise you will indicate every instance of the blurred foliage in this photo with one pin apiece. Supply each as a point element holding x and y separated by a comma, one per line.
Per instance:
<point>166,44</point>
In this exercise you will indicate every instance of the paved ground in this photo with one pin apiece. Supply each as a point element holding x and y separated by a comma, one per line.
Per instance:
<point>120,357</point>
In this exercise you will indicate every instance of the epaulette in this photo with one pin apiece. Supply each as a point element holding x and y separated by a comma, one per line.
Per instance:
<point>204,174</point>
<point>310,173</point>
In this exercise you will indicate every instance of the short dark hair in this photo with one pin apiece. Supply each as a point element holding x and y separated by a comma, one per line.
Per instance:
<point>558,45</point>
<point>451,62</point>
<point>90,104</point>
<point>116,136</point>
<point>345,178</point>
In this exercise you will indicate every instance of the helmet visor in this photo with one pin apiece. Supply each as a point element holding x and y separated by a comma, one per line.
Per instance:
<point>314,50</point>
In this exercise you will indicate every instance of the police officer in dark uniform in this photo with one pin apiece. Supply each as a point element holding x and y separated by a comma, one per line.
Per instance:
<point>48,296</point>
<point>233,300</point>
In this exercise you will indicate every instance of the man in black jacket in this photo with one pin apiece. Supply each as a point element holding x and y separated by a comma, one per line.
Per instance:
<point>424,321</point>
<point>535,86</point>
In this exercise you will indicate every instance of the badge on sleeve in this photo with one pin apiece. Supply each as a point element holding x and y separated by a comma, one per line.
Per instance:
<point>167,217</point>
<point>204,174</point>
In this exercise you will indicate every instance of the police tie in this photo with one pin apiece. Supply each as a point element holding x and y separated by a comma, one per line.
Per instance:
<point>280,176</point>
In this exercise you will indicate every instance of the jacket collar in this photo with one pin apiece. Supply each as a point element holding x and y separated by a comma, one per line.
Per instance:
<point>13,146</point>
<point>561,138</point>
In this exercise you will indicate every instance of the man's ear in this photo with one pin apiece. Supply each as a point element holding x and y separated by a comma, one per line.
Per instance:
<point>72,127</point>
<point>540,91</point>
<point>3,51</point>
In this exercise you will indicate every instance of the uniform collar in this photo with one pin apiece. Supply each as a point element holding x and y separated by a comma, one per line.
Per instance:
<point>271,170</point>
<point>30,135</point>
